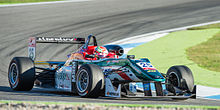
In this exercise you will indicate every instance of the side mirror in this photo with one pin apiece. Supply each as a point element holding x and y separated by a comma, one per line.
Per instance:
<point>89,56</point>
<point>131,56</point>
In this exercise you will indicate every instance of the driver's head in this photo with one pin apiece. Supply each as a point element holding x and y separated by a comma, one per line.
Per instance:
<point>100,51</point>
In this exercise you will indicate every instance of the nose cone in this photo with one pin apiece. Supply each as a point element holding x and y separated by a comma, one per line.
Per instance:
<point>155,75</point>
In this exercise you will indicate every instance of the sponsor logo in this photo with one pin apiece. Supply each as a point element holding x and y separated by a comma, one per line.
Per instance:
<point>133,87</point>
<point>107,70</point>
<point>32,42</point>
<point>31,47</point>
<point>151,71</point>
<point>31,52</point>
<point>146,86</point>
<point>73,71</point>
<point>58,39</point>
<point>62,76</point>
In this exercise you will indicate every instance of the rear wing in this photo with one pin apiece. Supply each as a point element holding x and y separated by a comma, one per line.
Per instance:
<point>58,40</point>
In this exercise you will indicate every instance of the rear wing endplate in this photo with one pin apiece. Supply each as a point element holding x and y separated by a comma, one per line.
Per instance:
<point>58,40</point>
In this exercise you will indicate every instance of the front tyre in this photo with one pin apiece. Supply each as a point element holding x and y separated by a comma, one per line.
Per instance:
<point>180,77</point>
<point>21,74</point>
<point>89,81</point>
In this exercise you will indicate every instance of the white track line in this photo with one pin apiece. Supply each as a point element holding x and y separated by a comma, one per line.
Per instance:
<point>164,31</point>
<point>140,40</point>
<point>204,91</point>
<point>40,3</point>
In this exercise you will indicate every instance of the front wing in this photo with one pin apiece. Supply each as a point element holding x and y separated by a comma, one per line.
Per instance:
<point>147,90</point>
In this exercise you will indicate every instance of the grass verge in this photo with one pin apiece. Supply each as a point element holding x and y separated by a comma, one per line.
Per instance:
<point>3,2</point>
<point>113,105</point>
<point>171,50</point>
<point>207,54</point>
<point>213,26</point>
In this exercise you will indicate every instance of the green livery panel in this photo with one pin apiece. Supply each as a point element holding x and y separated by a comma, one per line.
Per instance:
<point>141,72</point>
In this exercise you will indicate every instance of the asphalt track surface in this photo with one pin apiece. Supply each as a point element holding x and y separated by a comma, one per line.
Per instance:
<point>109,20</point>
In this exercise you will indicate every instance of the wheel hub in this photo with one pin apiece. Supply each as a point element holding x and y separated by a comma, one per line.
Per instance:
<point>13,74</point>
<point>173,79</point>
<point>82,80</point>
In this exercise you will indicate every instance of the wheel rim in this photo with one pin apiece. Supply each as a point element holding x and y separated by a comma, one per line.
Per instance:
<point>173,79</point>
<point>13,74</point>
<point>82,80</point>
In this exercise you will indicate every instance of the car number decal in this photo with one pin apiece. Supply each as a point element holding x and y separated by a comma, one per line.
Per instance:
<point>146,66</point>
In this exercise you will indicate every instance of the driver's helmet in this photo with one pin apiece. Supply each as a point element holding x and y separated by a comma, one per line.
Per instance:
<point>100,51</point>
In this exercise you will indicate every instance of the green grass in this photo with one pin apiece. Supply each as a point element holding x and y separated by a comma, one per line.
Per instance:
<point>2,2</point>
<point>119,105</point>
<point>206,54</point>
<point>171,50</point>
<point>217,26</point>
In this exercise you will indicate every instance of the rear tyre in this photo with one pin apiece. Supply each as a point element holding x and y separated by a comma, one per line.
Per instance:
<point>89,81</point>
<point>180,77</point>
<point>21,74</point>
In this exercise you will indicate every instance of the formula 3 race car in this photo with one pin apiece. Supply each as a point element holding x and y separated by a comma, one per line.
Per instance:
<point>94,71</point>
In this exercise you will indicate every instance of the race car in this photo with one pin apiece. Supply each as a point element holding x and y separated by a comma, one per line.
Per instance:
<point>93,71</point>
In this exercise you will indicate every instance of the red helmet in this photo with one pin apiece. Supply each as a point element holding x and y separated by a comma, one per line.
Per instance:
<point>100,51</point>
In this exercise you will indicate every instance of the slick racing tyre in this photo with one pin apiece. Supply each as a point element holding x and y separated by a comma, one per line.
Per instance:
<point>180,77</point>
<point>21,74</point>
<point>89,81</point>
